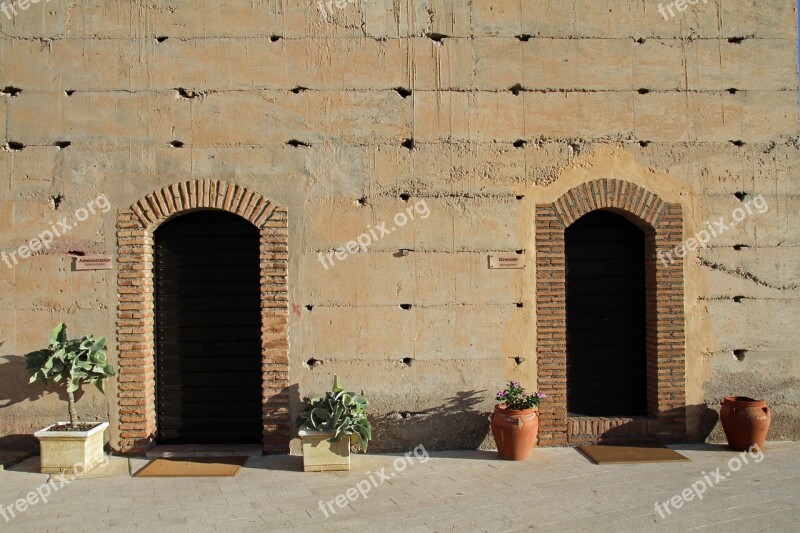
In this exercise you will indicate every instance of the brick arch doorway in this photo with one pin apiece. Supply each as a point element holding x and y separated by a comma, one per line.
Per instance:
<point>138,427</point>
<point>662,224</point>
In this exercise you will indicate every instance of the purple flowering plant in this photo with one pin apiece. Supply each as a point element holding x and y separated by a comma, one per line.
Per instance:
<point>514,396</point>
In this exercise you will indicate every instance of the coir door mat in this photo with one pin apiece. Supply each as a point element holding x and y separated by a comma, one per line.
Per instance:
<point>643,453</point>
<point>193,467</point>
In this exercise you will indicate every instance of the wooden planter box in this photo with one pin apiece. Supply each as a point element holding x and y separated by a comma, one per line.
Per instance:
<point>321,455</point>
<point>71,451</point>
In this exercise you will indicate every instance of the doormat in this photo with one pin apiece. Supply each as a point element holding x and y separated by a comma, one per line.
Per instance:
<point>642,453</point>
<point>193,467</point>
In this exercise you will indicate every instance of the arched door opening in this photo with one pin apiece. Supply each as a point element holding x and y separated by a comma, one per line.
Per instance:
<point>208,351</point>
<point>606,316</point>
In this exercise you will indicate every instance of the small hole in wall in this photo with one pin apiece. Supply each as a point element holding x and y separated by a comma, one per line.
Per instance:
<point>161,38</point>
<point>741,195</point>
<point>524,37</point>
<point>640,40</point>
<point>644,91</point>
<point>11,91</point>
<point>405,307</point>
<point>739,354</point>
<point>62,144</point>
<point>516,89</point>
<point>186,94</point>
<point>644,144</point>
<point>363,201</point>
<point>402,91</point>
<point>520,304</point>
<point>405,197</point>
<point>310,307</point>
<point>408,143</point>
<point>408,360</point>
<point>736,40</point>
<point>520,143</point>
<point>519,252</point>
<point>733,90</point>
<point>294,143</point>
<point>275,38</point>
<point>740,247</point>
<point>56,201</point>
<point>405,414</point>
<point>520,196</point>
<point>15,146</point>
<point>519,360</point>
<point>313,363</point>
<point>69,92</point>
<point>76,253</point>
<point>176,144</point>
<point>299,89</point>
<point>738,143</point>
<point>738,299</point>
<point>436,37</point>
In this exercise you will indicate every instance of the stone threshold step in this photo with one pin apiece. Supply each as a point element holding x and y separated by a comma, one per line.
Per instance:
<point>205,450</point>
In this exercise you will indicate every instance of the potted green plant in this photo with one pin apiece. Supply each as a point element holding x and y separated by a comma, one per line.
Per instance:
<point>70,364</point>
<point>515,422</point>
<point>329,425</point>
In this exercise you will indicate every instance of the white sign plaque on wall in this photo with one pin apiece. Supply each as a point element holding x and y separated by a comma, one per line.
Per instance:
<point>94,262</point>
<point>504,261</point>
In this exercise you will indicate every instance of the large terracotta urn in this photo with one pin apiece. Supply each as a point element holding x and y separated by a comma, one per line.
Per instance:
<point>515,432</point>
<point>745,421</point>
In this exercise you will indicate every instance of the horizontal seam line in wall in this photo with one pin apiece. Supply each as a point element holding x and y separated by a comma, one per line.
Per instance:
<point>407,37</point>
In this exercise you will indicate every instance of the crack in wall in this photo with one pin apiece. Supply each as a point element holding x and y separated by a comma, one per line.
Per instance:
<point>741,273</point>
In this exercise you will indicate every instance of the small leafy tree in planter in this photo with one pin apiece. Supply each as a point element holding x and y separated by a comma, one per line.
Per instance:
<point>70,363</point>
<point>340,412</point>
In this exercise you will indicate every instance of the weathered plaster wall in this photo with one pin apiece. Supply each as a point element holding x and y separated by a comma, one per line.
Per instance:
<point>695,109</point>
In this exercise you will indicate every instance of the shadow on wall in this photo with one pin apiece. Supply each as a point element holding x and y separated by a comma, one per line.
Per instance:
<point>14,389</point>
<point>457,424</point>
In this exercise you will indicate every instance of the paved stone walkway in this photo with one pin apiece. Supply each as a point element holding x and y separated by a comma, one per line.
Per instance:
<point>556,490</point>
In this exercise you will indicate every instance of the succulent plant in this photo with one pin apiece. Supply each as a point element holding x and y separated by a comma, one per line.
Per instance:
<point>340,412</point>
<point>72,363</point>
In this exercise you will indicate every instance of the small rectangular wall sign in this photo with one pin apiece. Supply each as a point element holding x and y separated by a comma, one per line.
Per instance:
<point>507,261</point>
<point>94,262</point>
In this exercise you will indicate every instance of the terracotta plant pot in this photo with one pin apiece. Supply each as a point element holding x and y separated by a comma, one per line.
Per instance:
<point>515,432</point>
<point>745,421</point>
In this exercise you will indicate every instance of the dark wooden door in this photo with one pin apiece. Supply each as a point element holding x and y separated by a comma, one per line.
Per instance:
<point>606,343</point>
<point>208,330</point>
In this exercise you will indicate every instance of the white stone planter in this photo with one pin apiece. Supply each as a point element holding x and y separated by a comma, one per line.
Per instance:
<point>71,451</point>
<point>321,455</point>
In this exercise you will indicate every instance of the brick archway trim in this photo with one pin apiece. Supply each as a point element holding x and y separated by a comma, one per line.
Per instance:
<point>662,223</point>
<point>136,310</point>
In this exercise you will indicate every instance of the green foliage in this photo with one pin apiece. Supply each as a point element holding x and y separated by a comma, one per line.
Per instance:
<point>515,396</point>
<point>341,412</point>
<point>71,363</point>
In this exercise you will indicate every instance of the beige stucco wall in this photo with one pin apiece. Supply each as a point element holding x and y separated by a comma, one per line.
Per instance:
<point>581,113</point>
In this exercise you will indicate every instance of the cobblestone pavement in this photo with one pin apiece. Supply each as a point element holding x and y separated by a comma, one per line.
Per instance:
<point>556,490</point>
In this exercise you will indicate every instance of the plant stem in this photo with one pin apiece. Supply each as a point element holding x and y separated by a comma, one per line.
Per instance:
<point>73,416</point>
